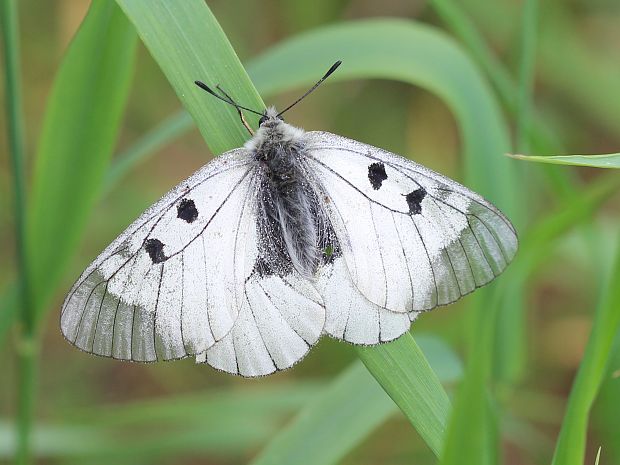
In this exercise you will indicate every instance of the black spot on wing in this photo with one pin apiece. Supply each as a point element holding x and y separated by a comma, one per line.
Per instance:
<point>414,200</point>
<point>155,249</point>
<point>376,175</point>
<point>186,210</point>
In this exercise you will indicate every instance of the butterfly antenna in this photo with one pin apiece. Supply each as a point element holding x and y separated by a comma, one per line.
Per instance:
<point>205,87</point>
<point>319,82</point>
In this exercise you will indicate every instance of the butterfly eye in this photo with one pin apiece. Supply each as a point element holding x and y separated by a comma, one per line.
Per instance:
<point>262,120</point>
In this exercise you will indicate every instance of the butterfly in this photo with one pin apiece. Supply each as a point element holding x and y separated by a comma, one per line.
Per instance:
<point>295,235</point>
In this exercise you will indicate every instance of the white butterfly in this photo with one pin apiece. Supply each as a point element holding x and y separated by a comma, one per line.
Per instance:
<point>247,263</point>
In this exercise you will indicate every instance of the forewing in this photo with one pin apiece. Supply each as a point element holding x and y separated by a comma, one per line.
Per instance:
<point>412,239</point>
<point>171,284</point>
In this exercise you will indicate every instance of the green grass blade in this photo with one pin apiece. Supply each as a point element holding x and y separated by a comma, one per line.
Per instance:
<point>609,160</point>
<point>570,448</point>
<point>405,374</point>
<point>169,129</point>
<point>229,424</point>
<point>188,44</point>
<point>258,403</point>
<point>511,340</point>
<point>79,132</point>
<point>15,131</point>
<point>527,65</point>
<point>9,306</point>
<point>353,405</point>
<point>470,437</point>
<point>15,127</point>
<point>332,424</point>
<point>455,18</point>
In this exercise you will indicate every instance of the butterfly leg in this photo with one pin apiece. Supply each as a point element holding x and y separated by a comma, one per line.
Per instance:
<point>241,116</point>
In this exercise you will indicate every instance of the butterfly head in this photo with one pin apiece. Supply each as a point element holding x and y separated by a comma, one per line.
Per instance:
<point>270,118</point>
<point>273,131</point>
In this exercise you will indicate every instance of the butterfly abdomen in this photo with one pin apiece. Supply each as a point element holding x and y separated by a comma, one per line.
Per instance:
<point>286,216</point>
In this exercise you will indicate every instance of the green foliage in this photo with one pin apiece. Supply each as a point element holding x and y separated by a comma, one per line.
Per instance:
<point>71,171</point>
<point>79,133</point>
<point>188,44</point>
<point>571,445</point>
<point>354,405</point>
<point>610,160</point>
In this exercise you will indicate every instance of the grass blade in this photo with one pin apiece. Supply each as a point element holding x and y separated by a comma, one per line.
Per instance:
<point>570,448</point>
<point>405,374</point>
<point>456,19</point>
<point>22,304</point>
<point>228,424</point>
<point>79,132</point>
<point>609,160</point>
<point>470,437</point>
<point>15,129</point>
<point>188,44</point>
<point>527,65</point>
<point>319,437</point>
<point>169,129</point>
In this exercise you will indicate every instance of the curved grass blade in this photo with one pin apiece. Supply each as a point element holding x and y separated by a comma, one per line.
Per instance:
<point>405,374</point>
<point>609,160</point>
<point>571,445</point>
<point>227,424</point>
<point>169,129</point>
<point>188,44</point>
<point>319,437</point>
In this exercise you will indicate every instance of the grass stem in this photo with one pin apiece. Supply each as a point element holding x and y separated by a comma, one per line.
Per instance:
<point>12,77</point>
<point>527,65</point>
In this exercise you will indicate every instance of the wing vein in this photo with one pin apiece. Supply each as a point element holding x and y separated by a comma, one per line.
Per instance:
<point>161,277</point>
<point>402,247</point>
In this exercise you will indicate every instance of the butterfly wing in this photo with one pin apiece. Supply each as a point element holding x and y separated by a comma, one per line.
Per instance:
<point>411,238</point>
<point>281,319</point>
<point>282,315</point>
<point>350,316</point>
<point>171,284</point>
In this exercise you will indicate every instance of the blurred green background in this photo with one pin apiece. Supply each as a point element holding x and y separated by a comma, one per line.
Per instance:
<point>552,69</point>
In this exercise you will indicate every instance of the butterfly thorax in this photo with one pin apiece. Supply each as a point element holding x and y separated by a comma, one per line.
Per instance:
<point>287,218</point>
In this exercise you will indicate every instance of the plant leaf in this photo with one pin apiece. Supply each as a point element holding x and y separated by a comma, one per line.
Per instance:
<point>318,436</point>
<point>188,44</point>
<point>608,160</point>
<point>220,424</point>
<point>405,374</point>
<point>571,445</point>
<point>80,127</point>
